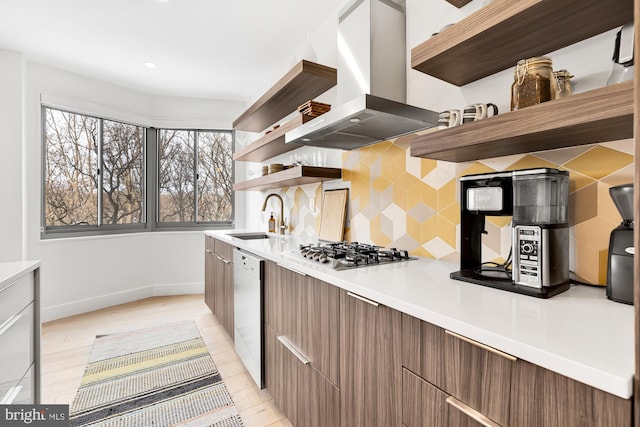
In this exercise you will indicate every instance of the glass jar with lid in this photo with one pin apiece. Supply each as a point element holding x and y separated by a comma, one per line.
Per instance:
<point>563,83</point>
<point>533,82</point>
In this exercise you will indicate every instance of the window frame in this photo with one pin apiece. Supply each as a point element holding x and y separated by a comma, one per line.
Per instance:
<point>150,190</point>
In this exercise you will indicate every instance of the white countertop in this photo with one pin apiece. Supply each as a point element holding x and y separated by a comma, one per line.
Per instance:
<point>11,271</point>
<point>579,333</point>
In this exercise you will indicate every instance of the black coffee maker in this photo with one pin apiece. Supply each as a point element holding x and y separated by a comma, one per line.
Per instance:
<point>621,250</point>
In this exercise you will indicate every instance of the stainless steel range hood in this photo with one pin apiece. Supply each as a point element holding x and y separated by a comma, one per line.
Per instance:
<point>371,91</point>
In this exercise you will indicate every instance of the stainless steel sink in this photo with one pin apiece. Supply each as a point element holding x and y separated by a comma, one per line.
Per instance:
<point>250,236</point>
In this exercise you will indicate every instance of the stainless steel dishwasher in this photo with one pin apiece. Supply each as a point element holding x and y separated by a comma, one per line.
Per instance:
<point>248,275</point>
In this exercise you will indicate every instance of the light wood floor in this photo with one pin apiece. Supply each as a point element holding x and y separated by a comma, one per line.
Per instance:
<point>66,344</point>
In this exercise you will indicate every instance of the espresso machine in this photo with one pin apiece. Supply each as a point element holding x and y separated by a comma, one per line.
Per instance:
<point>621,249</point>
<point>537,200</point>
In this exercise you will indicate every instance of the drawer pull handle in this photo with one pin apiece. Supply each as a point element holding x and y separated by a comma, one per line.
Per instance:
<point>225,261</point>
<point>368,301</point>
<point>470,412</point>
<point>9,323</point>
<point>208,251</point>
<point>293,270</point>
<point>293,350</point>
<point>482,346</point>
<point>10,396</point>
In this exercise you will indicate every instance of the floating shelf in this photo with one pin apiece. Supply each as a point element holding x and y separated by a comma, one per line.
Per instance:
<point>299,175</point>
<point>303,82</point>
<point>459,3</point>
<point>498,35</point>
<point>600,115</point>
<point>271,144</point>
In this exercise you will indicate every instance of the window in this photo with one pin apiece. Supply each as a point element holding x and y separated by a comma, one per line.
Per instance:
<point>195,176</point>
<point>102,176</point>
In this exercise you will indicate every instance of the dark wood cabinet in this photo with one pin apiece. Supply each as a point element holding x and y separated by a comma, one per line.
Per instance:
<point>540,397</point>
<point>478,376</point>
<point>209,272</point>
<point>370,363</point>
<point>218,281</point>
<point>301,346</point>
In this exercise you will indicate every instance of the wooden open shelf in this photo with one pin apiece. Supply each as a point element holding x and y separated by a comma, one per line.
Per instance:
<point>498,35</point>
<point>600,115</point>
<point>299,175</point>
<point>459,3</point>
<point>303,82</point>
<point>271,144</point>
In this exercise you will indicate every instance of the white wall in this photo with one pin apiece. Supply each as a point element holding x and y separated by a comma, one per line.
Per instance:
<point>10,156</point>
<point>83,274</point>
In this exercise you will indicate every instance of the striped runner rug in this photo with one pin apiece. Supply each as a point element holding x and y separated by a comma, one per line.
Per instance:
<point>159,376</point>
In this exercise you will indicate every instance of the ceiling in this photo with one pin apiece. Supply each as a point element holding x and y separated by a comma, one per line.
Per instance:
<point>217,49</point>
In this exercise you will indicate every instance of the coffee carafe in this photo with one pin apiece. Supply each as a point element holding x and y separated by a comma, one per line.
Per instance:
<point>537,200</point>
<point>621,249</point>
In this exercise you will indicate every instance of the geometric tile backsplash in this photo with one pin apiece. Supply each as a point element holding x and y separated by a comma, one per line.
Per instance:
<point>413,203</point>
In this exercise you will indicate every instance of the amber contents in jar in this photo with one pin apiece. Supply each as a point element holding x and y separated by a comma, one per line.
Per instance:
<point>533,82</point>
<point>563,83</point>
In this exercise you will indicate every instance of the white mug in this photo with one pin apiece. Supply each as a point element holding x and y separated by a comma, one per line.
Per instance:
<point>449,119</point>
<point>479,111</point>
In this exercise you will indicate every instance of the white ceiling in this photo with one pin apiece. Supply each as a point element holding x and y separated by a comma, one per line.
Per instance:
<point>219,49</point>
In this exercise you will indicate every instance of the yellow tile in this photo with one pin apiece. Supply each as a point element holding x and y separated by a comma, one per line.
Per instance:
<point>380,184</point>
<point>593,233</point>
<point>607,210</point>
<point>476,168</point>
<point>587,263</point>
<point>603,256</point>
<point>346,175</point>
<point>426,166</point>
<point>577,181</point>
<point>413,229</point>
<point>381,147</point>
<point>529,161</point>
<point>499,221</point>
<point>428,230</point>
<point>447,231</point>
<point>420,251</point>
<point>447,194</point>
<point>429,196</point>
<point>412,195</point>
<point>394,151</point>
<point>599,162</point>
<point>368,156</point>
<point>451,212</point>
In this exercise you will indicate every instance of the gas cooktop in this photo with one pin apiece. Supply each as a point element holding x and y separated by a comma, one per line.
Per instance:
<point>343,255</point>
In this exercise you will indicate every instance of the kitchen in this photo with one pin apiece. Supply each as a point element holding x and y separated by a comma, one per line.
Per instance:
<point>369,220</point>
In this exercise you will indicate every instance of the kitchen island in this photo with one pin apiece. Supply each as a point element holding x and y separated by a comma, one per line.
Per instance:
<point>578,334</point>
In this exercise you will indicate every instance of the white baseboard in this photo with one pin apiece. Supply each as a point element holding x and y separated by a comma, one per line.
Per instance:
<point>60,311</point>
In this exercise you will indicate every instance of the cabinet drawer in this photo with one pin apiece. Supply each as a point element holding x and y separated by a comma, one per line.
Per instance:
<point>209,244</point>
<point>478,376</point>
<point>15,297</point>
<point>223,249</point>
<point>423,405</point>
<point>16,340</point>
<point>422,349</point>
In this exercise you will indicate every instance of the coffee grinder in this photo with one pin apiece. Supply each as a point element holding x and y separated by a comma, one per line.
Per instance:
<point>537,200</point>
<point>621,249</point>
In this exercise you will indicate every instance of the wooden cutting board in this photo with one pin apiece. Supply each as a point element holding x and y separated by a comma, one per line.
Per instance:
<point>334,214</point>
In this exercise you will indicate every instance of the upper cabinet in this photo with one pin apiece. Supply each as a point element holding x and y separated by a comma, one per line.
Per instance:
<point>498,35</point>
<point>303,82</point>
<point>495,38</point>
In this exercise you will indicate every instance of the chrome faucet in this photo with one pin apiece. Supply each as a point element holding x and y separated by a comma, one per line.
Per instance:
<point>281,226</point>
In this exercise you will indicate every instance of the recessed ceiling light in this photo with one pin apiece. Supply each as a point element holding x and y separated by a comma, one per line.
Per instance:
<point>150,65</point>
